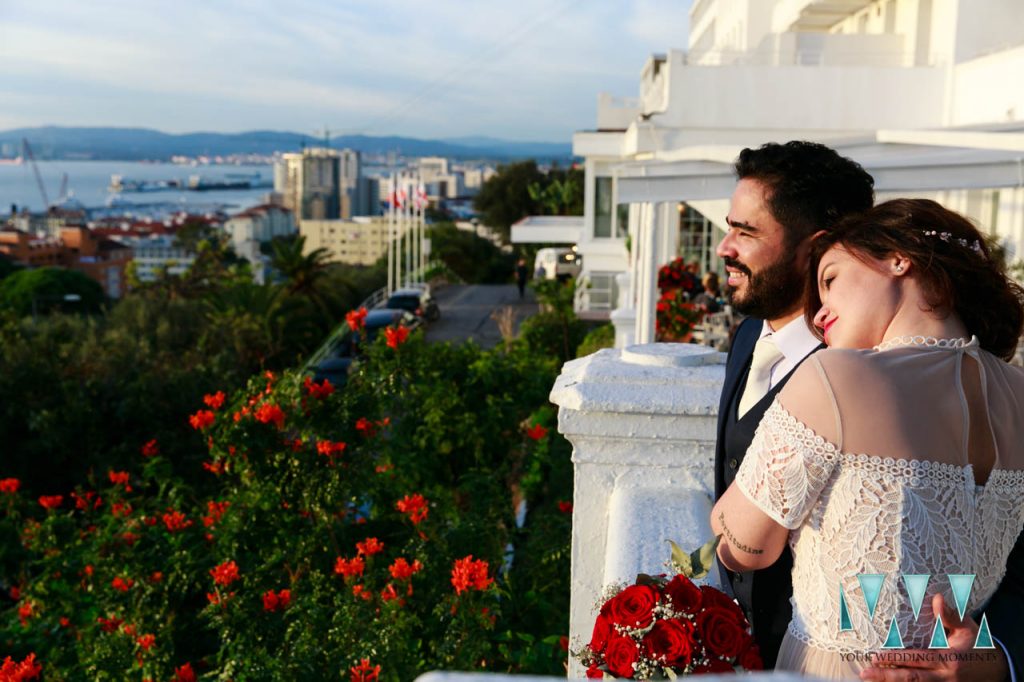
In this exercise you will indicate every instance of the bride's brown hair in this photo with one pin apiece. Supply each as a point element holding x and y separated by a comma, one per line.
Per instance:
<point>950,260</point>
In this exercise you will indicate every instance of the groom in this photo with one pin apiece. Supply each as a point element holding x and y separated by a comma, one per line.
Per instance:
<point>784,195</point>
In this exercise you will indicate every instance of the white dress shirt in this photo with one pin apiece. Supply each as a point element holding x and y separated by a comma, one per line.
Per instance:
<point>795,340</point>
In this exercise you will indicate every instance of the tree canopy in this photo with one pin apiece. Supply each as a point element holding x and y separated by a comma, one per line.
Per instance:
<point>49,288</point>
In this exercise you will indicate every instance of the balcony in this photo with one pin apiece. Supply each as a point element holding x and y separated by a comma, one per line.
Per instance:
<point>813,15</point>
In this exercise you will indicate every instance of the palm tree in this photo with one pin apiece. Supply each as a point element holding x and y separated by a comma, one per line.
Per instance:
<point>304,273</point>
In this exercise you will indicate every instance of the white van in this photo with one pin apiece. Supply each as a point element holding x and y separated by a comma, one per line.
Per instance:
<point>556,263</point>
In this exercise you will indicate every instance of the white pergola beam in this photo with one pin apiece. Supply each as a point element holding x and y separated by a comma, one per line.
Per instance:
<point>972,139</point>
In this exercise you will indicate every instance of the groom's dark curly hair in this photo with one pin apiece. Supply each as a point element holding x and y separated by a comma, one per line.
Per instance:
<point>810,186</point>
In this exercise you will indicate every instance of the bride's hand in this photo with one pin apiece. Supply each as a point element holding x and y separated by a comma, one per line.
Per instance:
<point>927,665</point>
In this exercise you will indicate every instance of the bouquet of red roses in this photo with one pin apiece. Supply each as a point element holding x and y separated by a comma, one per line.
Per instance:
<point>661,627</point>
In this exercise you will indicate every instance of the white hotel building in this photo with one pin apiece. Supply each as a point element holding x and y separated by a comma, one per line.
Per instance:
<point>928,95</point>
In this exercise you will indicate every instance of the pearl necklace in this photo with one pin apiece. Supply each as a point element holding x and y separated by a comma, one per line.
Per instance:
<point>926,341</point>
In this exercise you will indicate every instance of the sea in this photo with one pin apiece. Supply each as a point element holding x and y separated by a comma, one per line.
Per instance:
<point>88,183</point>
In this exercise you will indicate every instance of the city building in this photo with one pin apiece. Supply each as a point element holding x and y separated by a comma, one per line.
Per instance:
<point>922,92</point>
<point>360,241</point>
<point>28,249</point>
<point>77,248</point>
<point>157,255</point>
<point>322,184</point>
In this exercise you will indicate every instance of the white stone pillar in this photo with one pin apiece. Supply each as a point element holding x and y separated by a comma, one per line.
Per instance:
<point>647,274</point>
<point>642,423</point>
<point>623,318</point>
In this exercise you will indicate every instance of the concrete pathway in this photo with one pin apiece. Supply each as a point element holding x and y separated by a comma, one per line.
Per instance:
<point>466,311</point>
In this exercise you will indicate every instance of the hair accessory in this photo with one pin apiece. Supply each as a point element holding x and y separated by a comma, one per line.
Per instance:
<point>948,238</point>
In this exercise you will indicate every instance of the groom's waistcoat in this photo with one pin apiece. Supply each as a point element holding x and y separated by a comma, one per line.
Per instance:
<point>764,594</point>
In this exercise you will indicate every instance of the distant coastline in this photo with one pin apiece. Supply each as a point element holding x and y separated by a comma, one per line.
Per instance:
<point>141,144</point>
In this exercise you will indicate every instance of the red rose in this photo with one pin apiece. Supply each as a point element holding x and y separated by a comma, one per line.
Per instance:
<point>670,641</point>
<point>722,633</point>
<point>621,655</point>
<point>632,607</point>
<point>594,673</point>
<point>602,631</point>
<point>751,658</point>
<point>684,595</point>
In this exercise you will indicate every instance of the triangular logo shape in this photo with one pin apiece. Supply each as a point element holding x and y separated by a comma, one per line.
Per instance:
<point>917,585</point>
<point>939,640</point>
<point>984,638</point>
<point>871,585</point>
<point>845,622</point>
<point>961,585</point>
<point>893,641</point>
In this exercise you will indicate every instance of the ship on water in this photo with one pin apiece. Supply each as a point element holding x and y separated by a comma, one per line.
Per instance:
<point>195,183</point>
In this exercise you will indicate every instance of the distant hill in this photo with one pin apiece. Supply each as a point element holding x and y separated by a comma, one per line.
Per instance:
<point>53,142</point>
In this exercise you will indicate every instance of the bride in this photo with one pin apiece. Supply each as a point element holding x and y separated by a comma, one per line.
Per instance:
<point>897,451</point>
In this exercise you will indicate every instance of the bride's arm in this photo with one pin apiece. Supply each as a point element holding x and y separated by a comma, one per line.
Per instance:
<point>751,539</point>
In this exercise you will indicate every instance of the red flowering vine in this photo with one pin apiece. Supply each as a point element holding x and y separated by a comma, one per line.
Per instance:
<point>122,584</point>
<point>214,401</point>
<point>51,501</point>
<point>414,506</point>
<point>175,521</point>
<point>184,674</point>
<point>276,601</point>
<point>364,672</point>
<point>319,391</point>
<point>9,485</point>
<point>269,412</point>
<point>201,419</point>
<point>120,478</point>
<point>468,573</point>
<point>225,573</point>
<point>370,546</point>
<point>349,568</point>
<point>356,319</point>
<point>401,569</point>
<point>27,669</point>
<point>396,336</point>
<point>150,448</point>
<point>536,432</point>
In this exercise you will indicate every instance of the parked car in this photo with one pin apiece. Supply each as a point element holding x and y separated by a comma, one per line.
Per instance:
<point>336,366</point>
<point>416,300</point>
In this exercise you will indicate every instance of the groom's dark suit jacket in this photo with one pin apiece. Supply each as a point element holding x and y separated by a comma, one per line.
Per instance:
<point>765,594</point>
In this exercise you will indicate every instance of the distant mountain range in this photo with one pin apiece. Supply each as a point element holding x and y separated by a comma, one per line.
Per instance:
<point>52,142</point>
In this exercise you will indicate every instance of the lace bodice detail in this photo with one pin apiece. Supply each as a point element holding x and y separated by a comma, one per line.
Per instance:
<point>861,513</point>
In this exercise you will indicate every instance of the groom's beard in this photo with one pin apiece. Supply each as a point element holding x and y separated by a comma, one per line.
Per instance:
<point>770,293</point>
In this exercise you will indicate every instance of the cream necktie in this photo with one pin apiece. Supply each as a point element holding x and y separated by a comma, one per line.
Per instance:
<point>766,356</point>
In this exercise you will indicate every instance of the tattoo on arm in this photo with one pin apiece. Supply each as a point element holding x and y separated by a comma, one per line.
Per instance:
<point>733,542</point>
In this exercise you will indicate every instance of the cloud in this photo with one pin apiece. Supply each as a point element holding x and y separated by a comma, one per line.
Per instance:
<point>453,67</point>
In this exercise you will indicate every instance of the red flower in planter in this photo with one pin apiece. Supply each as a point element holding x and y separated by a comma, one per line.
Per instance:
<point>364,672</point>
<point>396,336</point>
<point>51,501</point>
<point>365,427</point>
<point>225,573</point>
<point>388,593</point>
<point>146,642</point>
<point>25,612</point>
<point>89,500</point>
<point>329,449</point>
<point>9,485</point>
<point>536,432</point>
<point>112,624</point>
<point>269,412</point>
<point>370,546</point>
<point>215,400</point>
<point>201,419</point>
<point>468,573</point>
<point>150,448</point>
<point>414,506</point>
<point>349,567</point>
<point>565,506</point>
<point>217,511</point>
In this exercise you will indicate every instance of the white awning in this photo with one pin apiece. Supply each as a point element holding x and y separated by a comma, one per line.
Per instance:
<point>548,230</point>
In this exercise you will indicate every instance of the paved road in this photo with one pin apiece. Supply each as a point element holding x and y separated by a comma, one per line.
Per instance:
<point>466,311</point>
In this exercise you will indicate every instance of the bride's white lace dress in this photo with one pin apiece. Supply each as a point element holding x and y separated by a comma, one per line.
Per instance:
<point>904,459</point>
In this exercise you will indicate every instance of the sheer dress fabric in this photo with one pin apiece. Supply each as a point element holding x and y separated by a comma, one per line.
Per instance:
<point>907,459</point>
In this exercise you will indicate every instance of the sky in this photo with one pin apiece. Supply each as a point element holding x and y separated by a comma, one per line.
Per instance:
<point>525,70</point>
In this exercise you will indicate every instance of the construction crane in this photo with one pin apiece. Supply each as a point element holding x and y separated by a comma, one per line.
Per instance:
<point>35,169</point>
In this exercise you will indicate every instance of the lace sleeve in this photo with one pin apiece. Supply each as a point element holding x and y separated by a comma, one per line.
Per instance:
<point>786,467</point>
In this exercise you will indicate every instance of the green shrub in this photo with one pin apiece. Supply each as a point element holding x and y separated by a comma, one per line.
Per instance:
<point>427,451</point>
<point>596,339</point>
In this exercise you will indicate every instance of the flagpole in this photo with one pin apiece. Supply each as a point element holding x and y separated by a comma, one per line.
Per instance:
<point>408,230</point>
<point>390,233</point>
